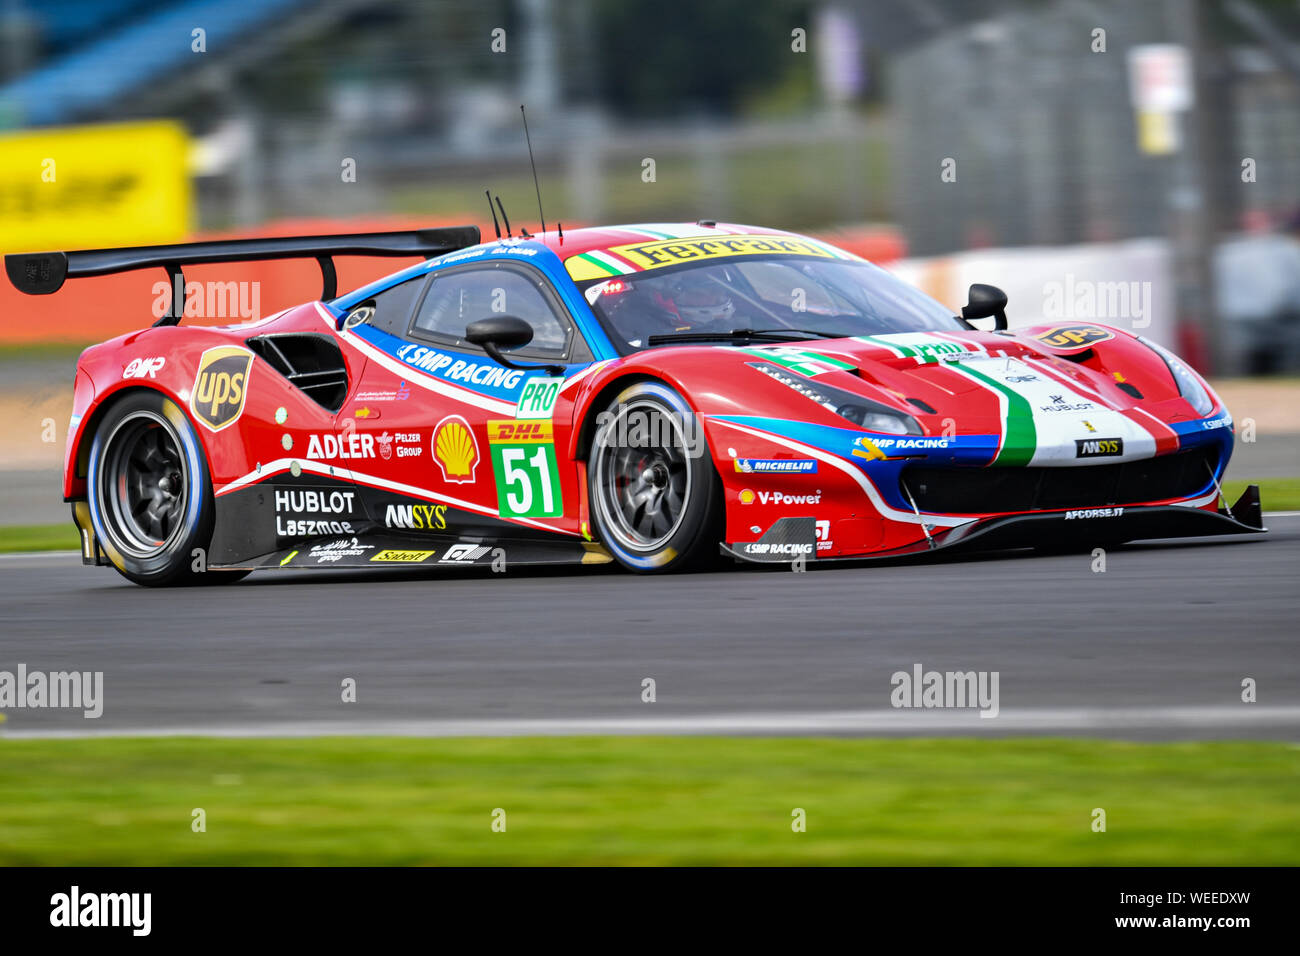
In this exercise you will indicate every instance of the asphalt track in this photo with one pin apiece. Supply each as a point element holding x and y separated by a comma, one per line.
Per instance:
<point>1155,647</point>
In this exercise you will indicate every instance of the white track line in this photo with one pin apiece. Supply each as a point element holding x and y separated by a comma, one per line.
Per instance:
<point>1025,720</point>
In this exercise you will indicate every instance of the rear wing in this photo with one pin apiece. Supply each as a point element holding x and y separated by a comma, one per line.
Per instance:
<point>42,273</point>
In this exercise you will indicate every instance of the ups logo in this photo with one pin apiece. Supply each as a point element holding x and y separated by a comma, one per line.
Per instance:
<point>1073,336</point>
<point>217,399</point>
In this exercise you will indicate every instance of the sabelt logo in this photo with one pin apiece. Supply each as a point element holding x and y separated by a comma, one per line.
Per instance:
<point>1073,336</point>
<point>220,386</point>
<point>402,557</point>
<point>416,517</point>
<point>1098,447</point>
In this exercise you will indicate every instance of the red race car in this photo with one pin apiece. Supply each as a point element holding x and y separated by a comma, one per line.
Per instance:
<point>658,395</point>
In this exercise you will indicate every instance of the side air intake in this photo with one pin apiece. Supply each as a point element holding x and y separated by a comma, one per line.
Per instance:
<point>311,362</point>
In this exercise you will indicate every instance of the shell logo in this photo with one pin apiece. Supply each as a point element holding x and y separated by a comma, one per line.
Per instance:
<point>747,497</point>
<point>455,449</point>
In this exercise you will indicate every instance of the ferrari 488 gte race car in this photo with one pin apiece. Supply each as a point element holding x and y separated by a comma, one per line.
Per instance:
<point>658,395</point>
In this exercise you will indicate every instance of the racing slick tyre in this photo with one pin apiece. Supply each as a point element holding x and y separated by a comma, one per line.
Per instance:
<point>656,501</point>
<point>150,494</point>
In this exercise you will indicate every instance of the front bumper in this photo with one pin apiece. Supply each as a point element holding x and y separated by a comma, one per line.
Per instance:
<point>1075,528</point>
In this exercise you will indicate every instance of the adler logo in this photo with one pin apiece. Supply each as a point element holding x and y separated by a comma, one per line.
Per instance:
<point>1098,447</point>
<point>220,386</point>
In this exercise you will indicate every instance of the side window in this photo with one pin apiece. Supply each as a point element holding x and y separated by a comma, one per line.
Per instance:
<point>389,310</point>
<point>458,298</point>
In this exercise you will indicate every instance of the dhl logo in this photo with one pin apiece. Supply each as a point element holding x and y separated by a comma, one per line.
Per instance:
<point>513,431</point>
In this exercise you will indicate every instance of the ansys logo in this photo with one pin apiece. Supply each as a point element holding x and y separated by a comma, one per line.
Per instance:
<point>217,398</point>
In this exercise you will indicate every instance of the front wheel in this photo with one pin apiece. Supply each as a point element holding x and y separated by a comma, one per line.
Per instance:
<point>150,493</point>
<point>656,500</point>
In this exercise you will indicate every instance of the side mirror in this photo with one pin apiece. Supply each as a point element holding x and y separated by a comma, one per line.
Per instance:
<point>983,301</point>
<point>505,331</point>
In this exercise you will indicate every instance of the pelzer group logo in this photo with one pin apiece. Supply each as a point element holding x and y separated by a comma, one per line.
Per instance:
<point>220,386</point>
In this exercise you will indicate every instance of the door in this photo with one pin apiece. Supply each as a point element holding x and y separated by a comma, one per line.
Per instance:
<point>465,447</point>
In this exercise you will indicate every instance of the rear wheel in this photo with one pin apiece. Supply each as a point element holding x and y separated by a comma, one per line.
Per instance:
<point>656,500</point>
<point>150,494</point>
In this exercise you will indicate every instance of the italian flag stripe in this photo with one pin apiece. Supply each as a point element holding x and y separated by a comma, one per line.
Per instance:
<point>902,351</point>
<point>798,360</point>
<point>605,263</point>
<point>1019,437</point>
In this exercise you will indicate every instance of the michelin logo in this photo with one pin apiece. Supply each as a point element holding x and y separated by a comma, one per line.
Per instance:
<point>776,466</point>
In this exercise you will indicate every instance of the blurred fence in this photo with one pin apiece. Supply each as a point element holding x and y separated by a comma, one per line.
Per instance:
<point>1044,138</point>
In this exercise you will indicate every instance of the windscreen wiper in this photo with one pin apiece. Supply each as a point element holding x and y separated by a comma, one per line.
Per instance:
<point>779,335</point>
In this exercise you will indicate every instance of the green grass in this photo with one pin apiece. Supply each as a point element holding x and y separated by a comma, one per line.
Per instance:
<point>1276,494</point>
<point>40,537</point>
<point>646,800</point>
<point>43,351</point>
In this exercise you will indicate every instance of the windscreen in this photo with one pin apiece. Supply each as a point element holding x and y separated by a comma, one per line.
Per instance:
<point>780,292</point>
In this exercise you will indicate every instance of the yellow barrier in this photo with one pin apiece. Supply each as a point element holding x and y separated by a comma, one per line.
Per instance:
<point>87,187</point>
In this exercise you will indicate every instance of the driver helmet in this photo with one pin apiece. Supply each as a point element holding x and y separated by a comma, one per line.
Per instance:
<point>698,300</point>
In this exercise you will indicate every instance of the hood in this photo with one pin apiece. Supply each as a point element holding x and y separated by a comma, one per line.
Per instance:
<point>1046,406</point>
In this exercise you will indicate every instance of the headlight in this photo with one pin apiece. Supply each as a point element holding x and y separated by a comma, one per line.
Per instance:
<point>1189,383</point>
<point>861,411</point>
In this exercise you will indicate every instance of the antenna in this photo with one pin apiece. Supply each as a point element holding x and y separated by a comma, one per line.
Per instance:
<point>505,217</point>
<point>495,225</point>
<point>536,185</point>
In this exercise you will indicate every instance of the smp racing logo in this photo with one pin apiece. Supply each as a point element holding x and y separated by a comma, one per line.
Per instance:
<point>217,399</point>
